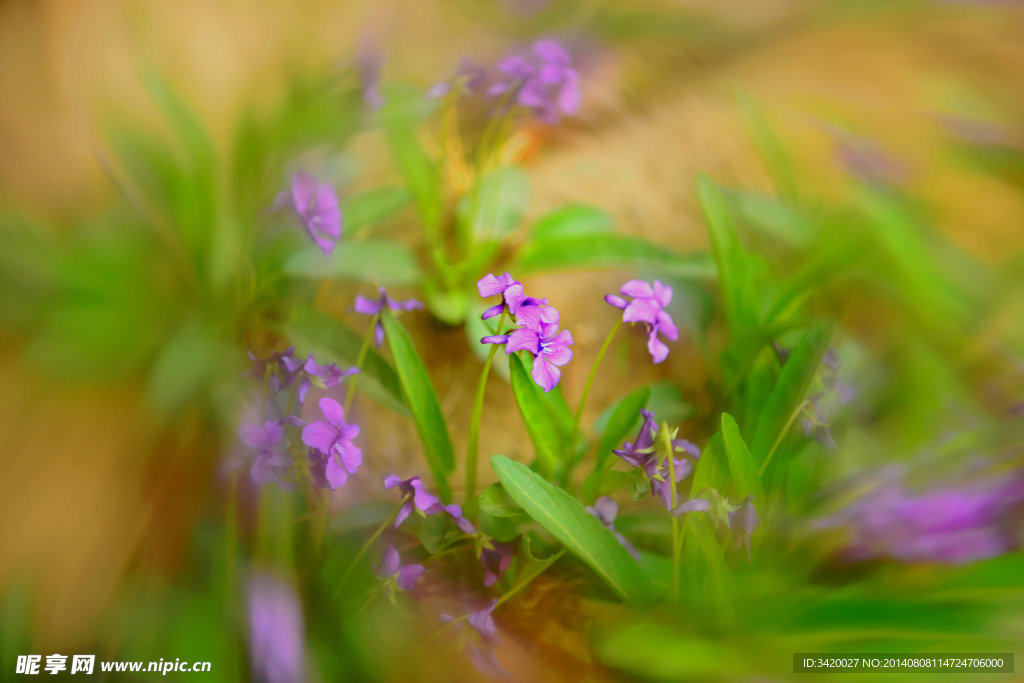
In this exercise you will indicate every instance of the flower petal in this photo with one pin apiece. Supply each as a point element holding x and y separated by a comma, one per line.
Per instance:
<point>408,575</point>
<point>523,339</point>
<point>336,474</point>
<point>637,288</point>
<point>545,374</point>
<point>319,435</point>
<point>333,411</point>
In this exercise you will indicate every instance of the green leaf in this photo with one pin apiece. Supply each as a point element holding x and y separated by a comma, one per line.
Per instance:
<point>365,209</point>
<point>734,276</point>
<point>656,651</point>
<point>383,263</point>
<point>495,208</point>
<point>707,573</point>
<point>602,251</point>
<point>773,218</point>
<point>772,152</point>
<point>400,117</point>
<point>497,503</point>
<point>579,531</point>
<point>318,333</point>
<point>742,468</point>
<point>539,420</point>
<point>711,471</point>
<point>573,220</point>
<point>624,419</point>
<point>422,399</point>
<point>786,399</point>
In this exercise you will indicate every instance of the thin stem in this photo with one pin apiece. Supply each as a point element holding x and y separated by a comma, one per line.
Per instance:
<point>366,546</point>
<point>778,440</point>
<point>590,379</point>
<point>665,439</point>
<point>473,442</point>
<point>359,361</point>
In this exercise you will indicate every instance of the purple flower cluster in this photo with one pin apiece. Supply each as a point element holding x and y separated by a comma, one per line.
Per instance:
<point>648,308</point>
<point>270,457</point>
<point>375,306</point>
<point>481,648</point>
<point>317,207</point>
<point>537,332</point>
<point>542,80</point>
<point>496,559</point>
<point>416,498</point>
<point>641,454</point>
<point>951,525</point>
<point>282,369</point>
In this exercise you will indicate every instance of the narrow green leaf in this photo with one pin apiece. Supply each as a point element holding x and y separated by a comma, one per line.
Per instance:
<point>579,531</point>
<point>495,208</point>
<point>573,220</point>
<point>657,652</point>
<point>771,150</point>
<point>787,397</point>
<point>400,117</point>
<point>738,294</point>
<point>539,421</point>
<point>422,400</point>
<point>326,337</point>
<point>624,419</point>
<point>707,572</point>
<point>379,262</point>
<point>742,468</point>
<point>602,251</point>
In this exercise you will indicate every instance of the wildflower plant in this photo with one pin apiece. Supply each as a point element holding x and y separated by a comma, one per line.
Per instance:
<point>679,507</point>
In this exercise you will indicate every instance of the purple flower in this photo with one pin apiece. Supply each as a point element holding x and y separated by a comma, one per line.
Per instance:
<point>368,64</point>
<point>640,453</point>
<point>742,522</point>
<point>539,335</point>
<point>314,374</point>
<point>271,462</point>
<point>276,641</point>
<point>543,81</point>
<point>375,306</point>
<point>512,296</point>
<point>470,78</point>
<point>317,208</point>
<point>648,307</point>
<point>949,525</point>
<point>496,559</point>
<point>417,498</point>
<point>606,510</point>
<point>333,437</point>
<point>481,650</point>
<point>275,368</point>
<point>390,567</point>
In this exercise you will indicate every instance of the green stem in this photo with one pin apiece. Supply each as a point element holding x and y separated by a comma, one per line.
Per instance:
<point>665,439</point>
<point>473,442</point>
<point>366,546</point>
<point>590,381</point>
<point>778,439</point>
<point>359,361</point>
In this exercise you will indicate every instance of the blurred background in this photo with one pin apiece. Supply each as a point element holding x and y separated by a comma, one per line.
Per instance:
<point>116,368</point>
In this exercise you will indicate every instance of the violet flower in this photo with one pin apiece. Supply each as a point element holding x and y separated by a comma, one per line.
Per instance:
<point>275,368</point>
<point>543,81</point>
<point>648,307</point>
<point>606,510</point>
<point>415,497</point>
<point>496,559</point>
<point>511,291</point>
<point>952,525</point>
<point>539,334</point>
<point>317,207</point>
<point>375,306</point>
<point>470,78</point>
<point>368,66</point>
<point>271,462</point>
<point>314,374</point>
<point>333,437</point>
<point>641,454</point>
<point>742,522</point>
<point>481,651</point>
<point>391,568</point>
<point>276,641</point>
